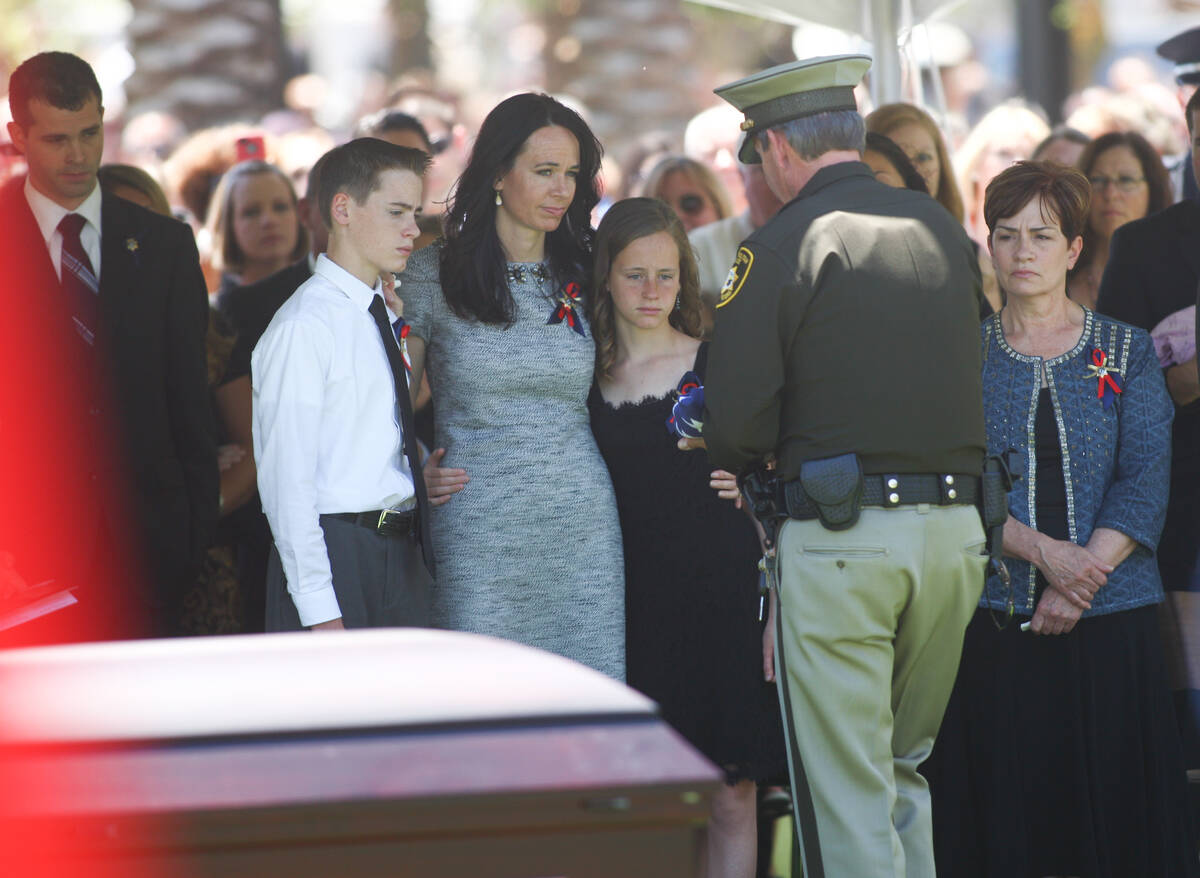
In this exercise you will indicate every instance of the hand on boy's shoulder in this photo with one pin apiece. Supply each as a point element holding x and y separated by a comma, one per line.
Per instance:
<point>390,297</point>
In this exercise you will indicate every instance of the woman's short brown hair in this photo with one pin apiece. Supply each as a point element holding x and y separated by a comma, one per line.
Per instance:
<point>624,223</point>
<point>1064,192</point>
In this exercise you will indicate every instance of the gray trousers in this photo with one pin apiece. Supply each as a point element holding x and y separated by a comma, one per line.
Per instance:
<point>380,581</point>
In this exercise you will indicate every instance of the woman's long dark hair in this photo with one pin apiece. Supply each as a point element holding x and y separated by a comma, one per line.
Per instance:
<point>473,263</point>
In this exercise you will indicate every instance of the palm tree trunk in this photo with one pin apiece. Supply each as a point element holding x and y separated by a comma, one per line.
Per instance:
<point>207,62</point>
<point>629,62</point>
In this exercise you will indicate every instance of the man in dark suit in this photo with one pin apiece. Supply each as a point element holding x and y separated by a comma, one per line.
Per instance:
<point>120,292</point>
<point>1153,271</point>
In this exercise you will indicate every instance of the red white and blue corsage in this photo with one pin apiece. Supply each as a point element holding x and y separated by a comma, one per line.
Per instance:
<point>687,415</point>
<point>1107,383</point>
<point>567,307</point>
<point>401,328</point>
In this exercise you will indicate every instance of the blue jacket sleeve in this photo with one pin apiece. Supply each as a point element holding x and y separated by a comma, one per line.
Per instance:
<point>1136,500</point>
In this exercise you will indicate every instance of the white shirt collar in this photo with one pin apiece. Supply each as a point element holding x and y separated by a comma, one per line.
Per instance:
<point>49,213</point>
<point>356,291</point>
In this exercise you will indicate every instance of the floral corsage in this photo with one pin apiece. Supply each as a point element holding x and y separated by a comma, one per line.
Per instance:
<point>687,415</point>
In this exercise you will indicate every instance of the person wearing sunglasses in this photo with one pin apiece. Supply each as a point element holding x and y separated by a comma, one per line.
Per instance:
<point>692,190</point>
<point>1129,181</point>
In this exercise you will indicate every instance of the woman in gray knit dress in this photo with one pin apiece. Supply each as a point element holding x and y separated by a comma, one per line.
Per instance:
<point>529,546</point>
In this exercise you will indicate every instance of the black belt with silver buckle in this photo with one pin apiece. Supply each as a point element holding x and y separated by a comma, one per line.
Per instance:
<point>895,489</point>
<point>396,523</point>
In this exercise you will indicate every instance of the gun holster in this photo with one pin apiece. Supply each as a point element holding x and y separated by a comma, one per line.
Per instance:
<point>834,485</point>
<point>999,473</point>
<point>760,487</point>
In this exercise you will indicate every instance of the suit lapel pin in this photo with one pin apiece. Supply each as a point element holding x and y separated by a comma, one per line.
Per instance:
<point>131,244</point>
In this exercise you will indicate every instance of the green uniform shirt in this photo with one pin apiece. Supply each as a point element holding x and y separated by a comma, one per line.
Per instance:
<point>849,322</point>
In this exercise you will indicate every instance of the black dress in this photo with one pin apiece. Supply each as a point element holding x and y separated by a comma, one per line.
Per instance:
<point>692,635</point>
<point>1058,754</point>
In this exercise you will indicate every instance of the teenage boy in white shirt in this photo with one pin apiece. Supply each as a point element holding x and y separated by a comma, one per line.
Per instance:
<point>337,474</point>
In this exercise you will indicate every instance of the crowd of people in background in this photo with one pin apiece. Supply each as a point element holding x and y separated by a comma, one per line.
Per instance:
<point>630,556</point>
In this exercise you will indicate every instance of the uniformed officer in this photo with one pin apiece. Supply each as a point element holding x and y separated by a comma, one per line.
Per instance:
<point>1183,50</point>
<point>847,347</point>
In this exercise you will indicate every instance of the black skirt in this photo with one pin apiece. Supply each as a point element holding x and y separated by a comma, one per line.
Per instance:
<point>1059,755</point>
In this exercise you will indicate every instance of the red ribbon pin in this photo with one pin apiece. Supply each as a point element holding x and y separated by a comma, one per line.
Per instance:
<point>1107,386</point>
<point>568,301</point>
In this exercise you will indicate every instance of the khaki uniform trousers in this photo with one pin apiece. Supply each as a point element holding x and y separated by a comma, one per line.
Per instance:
<point>869,631</point>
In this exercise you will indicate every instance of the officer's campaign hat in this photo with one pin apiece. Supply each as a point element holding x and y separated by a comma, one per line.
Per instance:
<point>792,91</point>
<point>1184,50</point>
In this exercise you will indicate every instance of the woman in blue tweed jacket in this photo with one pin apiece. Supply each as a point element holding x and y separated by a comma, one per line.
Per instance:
<point>1059,753</point>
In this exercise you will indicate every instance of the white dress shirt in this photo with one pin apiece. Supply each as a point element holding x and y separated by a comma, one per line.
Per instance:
<point>49,214</point>
<point>326,430</point>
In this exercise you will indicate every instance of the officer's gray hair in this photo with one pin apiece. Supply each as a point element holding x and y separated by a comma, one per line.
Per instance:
<point>812,136</point>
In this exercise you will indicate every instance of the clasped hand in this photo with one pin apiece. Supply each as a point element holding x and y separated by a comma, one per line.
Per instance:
<point>1075,574</point>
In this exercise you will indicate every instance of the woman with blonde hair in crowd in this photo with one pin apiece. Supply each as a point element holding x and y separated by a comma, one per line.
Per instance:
<point>1129,181</point>
<point>694,642</point>
<point>253,224</point>
<point>915,132</point>
<point>1009,133</point>
<point>691,189</point>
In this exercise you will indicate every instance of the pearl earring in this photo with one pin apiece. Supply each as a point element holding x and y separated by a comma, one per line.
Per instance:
<point>499,200</point>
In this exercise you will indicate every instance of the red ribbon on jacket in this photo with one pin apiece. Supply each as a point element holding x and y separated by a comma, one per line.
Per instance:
<point>1106,384</point>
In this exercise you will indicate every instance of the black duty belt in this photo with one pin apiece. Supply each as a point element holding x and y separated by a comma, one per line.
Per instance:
<point>401,524</point>
<point>892,490</point>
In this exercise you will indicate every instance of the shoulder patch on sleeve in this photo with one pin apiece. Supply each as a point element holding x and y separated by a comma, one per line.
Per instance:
<point>737,276</point>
